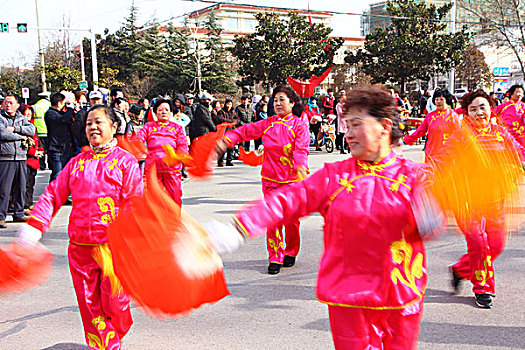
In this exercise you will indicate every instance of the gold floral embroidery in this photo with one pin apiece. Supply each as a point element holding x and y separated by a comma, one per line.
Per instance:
<point>101,157</point>
<point>481,275</point>
<point>106,204</point>
<point>445,137</point>
<point>402,254</point>
<point>370,170</point>
<point>277,243</point>
<point>401,179</point>
<point>517,128</point>
<point>347,185</point>
<point>93,340</point>
<point>287,159</point>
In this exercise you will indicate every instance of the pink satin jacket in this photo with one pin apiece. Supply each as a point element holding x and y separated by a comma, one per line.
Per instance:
<point>286,141</point>
<point>100,185</point>
<point>512,114</point>
<point>439,125</point>
<point>374,256</point>
<point>155,134</point>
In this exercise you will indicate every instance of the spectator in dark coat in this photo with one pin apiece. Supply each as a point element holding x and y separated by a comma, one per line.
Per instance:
<point>77,128</point>
<point>245,114</point>
<point>227,115</point>
<point>202,122</point>
<point>59,139</point>
<point>14,133</point>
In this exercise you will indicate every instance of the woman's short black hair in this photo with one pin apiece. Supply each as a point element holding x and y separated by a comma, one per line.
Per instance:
<point>298,108</point>
<point>161,101</point>
<point>378,103</point>
<point>513,89</point>
<point>451,101</point>
<point>108,111</point>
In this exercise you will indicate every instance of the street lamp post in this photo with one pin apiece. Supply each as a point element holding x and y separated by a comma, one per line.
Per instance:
<point>452,73</point>
<point>40,51</point>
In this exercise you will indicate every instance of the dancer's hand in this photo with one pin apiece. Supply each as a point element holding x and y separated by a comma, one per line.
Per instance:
<point>225,237</point>
<point>28,236</point>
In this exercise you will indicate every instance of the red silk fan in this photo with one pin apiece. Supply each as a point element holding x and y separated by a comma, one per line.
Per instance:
<point>23,268</point>
<point>306,88</point>
<point>163,257</point>
<point>252,158</point>
<point>133,146</point>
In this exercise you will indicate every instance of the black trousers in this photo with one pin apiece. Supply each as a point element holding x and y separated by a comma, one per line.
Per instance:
<point>12,177</point>
<point>30,188</point>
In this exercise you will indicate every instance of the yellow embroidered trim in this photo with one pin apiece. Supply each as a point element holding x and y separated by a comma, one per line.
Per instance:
<point>241,226</point>
<point>86,244</point>
<point>37,219</point>
<point>282,122</point>
<point>280,182</point>
<point>446,115</point>
<point>517,128</point>
<point>415,301</point>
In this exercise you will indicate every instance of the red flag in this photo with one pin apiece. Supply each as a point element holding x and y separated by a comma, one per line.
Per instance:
<point>306,89</point>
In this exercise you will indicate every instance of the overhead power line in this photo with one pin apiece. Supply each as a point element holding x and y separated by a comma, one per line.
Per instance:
<point>215,2</point>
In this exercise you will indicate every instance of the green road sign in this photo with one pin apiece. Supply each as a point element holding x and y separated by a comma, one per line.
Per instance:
<point>4,27</point>
<point>83,85</point>
<point>22,27</point>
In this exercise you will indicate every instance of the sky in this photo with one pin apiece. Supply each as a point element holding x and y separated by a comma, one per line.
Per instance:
<point>21,49</point>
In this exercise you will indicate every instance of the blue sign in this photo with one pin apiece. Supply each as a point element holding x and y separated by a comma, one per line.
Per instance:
<point>501,71</point>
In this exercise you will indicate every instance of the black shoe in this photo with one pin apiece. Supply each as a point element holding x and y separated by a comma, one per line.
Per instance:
<point>3,224</point>
<point>288,261</point>
<point>229,164</point>
<point>274,268</point>
<point>484,301</point>
<point>220,165</point>
<point>456,281</point>
<point>21,219</point>
<point>343,152</point>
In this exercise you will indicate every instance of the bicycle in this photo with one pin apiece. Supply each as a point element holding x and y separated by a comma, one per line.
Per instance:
<point>326,136</point>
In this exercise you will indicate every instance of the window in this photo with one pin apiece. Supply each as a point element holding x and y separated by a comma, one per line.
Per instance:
<point>231,23</point>
<point>250,24</point>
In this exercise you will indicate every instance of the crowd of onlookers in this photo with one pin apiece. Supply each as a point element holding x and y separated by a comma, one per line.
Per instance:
<point>47,134</point>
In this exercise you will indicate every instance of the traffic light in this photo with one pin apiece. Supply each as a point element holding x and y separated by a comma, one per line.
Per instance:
<point>4,27</point>
<point>22,27</point>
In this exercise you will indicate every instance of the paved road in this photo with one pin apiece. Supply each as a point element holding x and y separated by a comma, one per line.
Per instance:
<point>267,312</point>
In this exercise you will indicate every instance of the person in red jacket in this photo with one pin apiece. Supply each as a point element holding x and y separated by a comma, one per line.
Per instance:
<point>329,103</point>
<point>35,152</point>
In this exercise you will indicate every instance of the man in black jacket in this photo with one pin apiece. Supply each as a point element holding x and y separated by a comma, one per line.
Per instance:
<point>245,114</point>
<point>60,141</point>
<point>202,122</point>
<point>15,131</point>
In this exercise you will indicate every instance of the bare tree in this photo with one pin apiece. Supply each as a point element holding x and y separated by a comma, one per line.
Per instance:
<point>473,70</point>
<point>503,23</point>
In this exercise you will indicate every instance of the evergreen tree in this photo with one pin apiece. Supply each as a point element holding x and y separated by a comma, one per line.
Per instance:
<point>281,48</point>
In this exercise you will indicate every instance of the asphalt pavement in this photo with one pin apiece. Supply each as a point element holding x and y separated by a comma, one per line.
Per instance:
<point>263,311</point>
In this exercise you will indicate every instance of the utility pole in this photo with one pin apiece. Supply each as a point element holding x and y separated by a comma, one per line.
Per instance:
<point>452,74</point>
<point>94,59</point>
<point>40,51</point>
<point>82,66</point>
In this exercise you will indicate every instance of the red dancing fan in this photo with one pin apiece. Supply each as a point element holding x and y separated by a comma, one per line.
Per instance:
<point>23,268</point>
<point>203,148</point>
<point>133,146</point>
<point>306,89</point>
<point>163,257</point>
<point>252,158</point>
